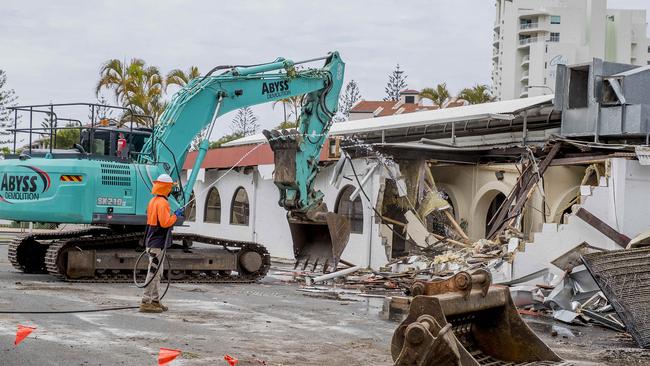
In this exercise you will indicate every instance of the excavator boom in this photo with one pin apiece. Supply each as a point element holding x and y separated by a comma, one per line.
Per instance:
<point>90,184</point>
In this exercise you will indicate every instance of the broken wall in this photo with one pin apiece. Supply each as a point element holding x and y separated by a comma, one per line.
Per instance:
<point>620,200</point>
<point>472,189</point>
<point>623,200</point>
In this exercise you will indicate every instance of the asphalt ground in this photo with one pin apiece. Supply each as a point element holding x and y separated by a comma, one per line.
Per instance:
<point>273,322</point>
<point>268,323</point>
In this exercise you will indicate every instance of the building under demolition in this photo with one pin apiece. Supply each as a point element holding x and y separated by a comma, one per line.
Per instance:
<point>545,173</point>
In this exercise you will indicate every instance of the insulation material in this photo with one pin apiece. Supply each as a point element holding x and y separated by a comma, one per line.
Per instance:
<point>432,201</point>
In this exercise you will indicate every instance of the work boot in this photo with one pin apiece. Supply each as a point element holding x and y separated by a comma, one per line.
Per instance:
<point>147,307</point>
<point>160,305</point>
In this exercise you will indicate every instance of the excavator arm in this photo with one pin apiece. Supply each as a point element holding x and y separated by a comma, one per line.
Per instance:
<point>318,235</point>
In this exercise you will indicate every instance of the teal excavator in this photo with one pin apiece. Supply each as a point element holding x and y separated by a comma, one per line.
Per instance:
<point>107,189</point>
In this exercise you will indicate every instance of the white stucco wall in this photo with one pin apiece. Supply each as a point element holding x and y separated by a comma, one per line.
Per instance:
<point>623,200</point>
<point>267,223</point>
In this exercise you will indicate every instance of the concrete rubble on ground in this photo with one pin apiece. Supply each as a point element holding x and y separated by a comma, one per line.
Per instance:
<point>547,276</point>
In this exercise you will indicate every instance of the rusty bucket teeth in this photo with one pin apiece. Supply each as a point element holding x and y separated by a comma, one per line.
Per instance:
<point>316,265</point>
<point>319,242</point>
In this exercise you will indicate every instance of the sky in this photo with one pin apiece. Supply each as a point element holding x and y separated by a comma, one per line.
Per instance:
<point>52,50</point>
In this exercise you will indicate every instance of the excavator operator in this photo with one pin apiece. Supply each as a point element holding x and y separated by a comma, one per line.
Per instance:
<point>158,236</point>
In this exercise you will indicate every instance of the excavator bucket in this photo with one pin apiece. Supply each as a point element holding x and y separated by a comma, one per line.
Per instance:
<point>320,241</point>
<point>463,321</point>
<point>319,236</point>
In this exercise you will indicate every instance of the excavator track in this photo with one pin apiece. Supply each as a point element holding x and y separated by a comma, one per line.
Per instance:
<point>26,252</point>
<point>124,246</point>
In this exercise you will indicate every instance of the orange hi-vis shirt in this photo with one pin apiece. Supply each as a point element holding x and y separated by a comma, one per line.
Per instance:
<point>158,210</point>
<point>159,213</point>
<point>159,218</point>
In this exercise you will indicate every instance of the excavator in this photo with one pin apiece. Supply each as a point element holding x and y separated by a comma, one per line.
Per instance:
<point>107,190</point>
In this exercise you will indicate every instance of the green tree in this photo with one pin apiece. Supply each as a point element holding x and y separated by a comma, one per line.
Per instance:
<point>225,139</point>
<point>7,99</point>
<point>477,94</point>
<point>145,93</point>
<point>396,83</point>
<point>117,75</point>
<point>350,96</point>
<point>136,86</point>
<point>438,95</point>
<point>287,125</point>
<point>180,77</point>
<point>66,138</point>
<point>245,122</point>
<point>46,126</point>
<point>290,107</point>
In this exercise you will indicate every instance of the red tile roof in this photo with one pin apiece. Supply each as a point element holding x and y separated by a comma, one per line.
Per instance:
<point>226,157</point>
<point>410,91</point>
<point>389,108</point>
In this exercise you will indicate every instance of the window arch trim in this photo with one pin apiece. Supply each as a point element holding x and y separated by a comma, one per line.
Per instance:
<point>240,211</point>
<point>353,209</point>
<point>216,206</point>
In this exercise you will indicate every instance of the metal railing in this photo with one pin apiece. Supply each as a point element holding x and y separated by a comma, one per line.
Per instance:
<point>47,134</point>
<point>525,41</point>
<point>524,26</point>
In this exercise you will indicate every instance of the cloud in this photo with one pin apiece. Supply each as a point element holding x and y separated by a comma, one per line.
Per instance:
<point>52,50</point>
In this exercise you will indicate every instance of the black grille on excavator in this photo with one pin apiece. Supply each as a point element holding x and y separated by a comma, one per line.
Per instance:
<point>116,174</point>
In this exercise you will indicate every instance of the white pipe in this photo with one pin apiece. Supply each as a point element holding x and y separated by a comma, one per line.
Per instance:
<point>332,275</point>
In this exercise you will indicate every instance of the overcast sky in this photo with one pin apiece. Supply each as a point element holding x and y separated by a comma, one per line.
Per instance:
<point>52,50</point>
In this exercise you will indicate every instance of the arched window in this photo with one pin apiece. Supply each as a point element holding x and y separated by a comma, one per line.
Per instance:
<point>493,209</point>
<point>212,212</point>
<point>190,211</point>
<point>353,210</point>
<point>239,210</point>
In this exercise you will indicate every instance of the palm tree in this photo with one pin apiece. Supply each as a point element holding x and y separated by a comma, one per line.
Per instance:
<point>136,86</point>
<point>478,94</point>
<point>180,77</point>
<point>116,75</point>
<point>438,95</point>
<point>145,92</point>
<point>284,102</point>
<point>294,103</point>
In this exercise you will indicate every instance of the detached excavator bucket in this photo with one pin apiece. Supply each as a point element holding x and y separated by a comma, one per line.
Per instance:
<point>464,321</point>
<point>320,241</point>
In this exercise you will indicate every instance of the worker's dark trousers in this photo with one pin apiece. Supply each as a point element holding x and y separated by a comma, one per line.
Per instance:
<point>155,261</point>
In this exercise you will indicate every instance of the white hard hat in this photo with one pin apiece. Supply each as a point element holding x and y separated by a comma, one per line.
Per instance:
<point>165,178</point>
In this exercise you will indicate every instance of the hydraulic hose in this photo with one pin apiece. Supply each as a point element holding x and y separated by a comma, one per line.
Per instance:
<point>162,261</point>
<point>147,283</point>
<point>66,311</point>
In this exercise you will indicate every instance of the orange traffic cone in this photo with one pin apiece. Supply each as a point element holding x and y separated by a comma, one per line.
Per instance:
<point>231,360</point>
<point>22,333</point>
<point>166,355</point>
